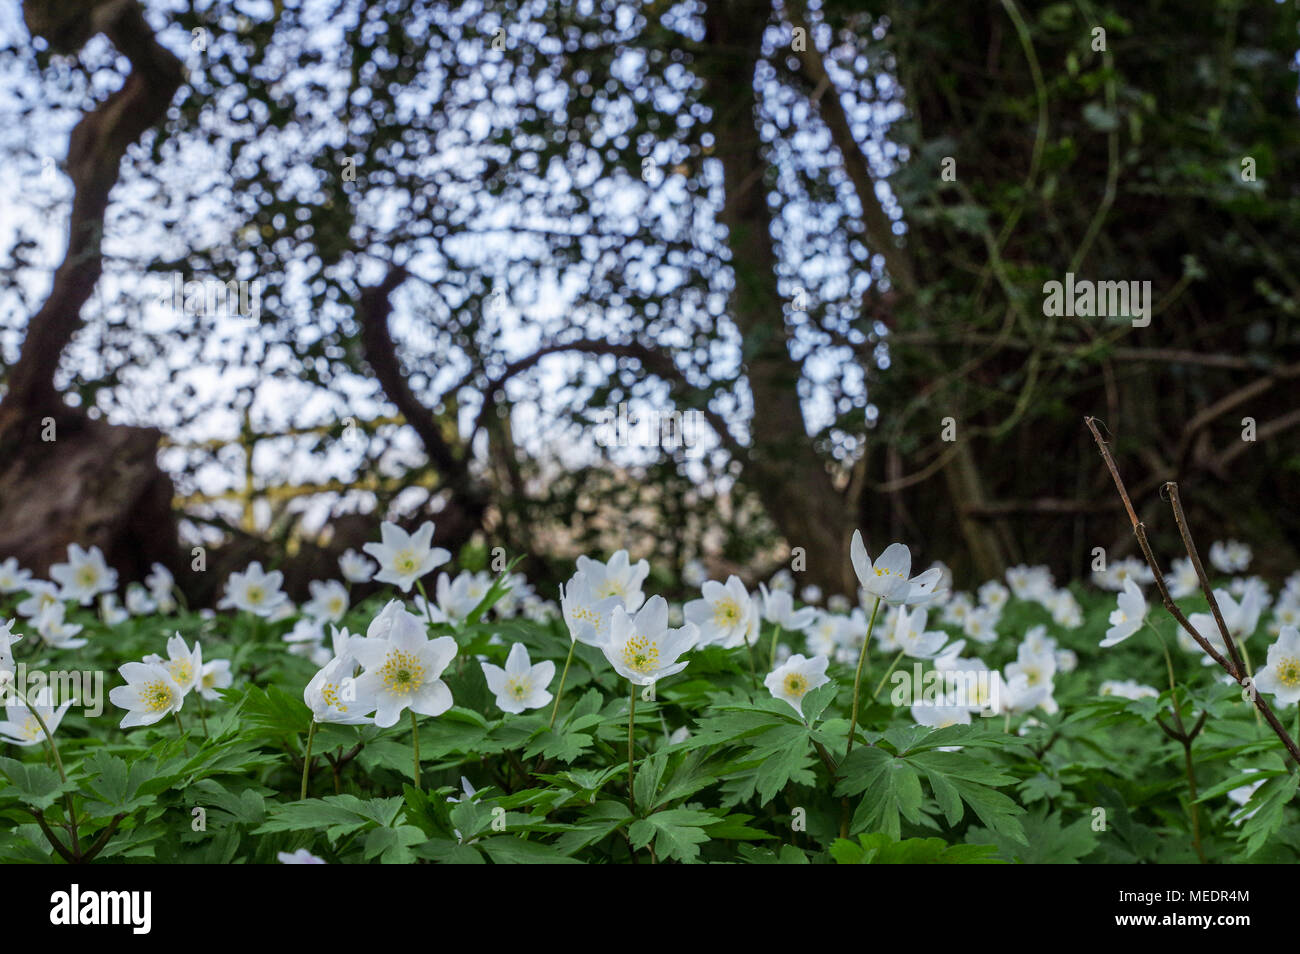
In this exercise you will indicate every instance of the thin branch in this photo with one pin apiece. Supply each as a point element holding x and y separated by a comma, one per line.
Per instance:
<point>1180,518</point>
<point>1139,530</point>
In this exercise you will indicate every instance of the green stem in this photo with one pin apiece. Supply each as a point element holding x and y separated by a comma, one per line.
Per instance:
<point>771,656</point>
<point>888,673</point>
<point>573,644</point>
<point>428,607</point>
<point>857,678</point>
<point>415,734</point>
<point>306,759</point>
<point>49,736</point>
<point>631,768</point>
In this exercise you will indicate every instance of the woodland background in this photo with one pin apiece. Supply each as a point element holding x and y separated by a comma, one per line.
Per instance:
<point>475,225</point>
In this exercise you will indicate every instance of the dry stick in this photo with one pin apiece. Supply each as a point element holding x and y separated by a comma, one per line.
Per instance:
<point>1180,518</point>
<point>1139,530</point>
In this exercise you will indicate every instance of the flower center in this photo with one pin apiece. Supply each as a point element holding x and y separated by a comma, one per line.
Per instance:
<point>87,576</point>
<point>725,612</point>
<point>255,594</point>
<point>403,673</point>
<point>641,654</point>
<point>157,696</point>
<point>796,684</point>
<point>405,561</point>
<point>182,670</point>
<point>1288,671</point>
<point>519,688</point>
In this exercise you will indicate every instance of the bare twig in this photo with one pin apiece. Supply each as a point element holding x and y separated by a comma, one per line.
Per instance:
<point>1239,675</point>
<point>1180,518</point>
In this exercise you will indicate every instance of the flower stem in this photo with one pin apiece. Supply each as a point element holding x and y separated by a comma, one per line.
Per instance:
<point>428,607</point>
<point>415,735</point>
<point>631,769</point>
<point>888,673</point>
<point>306,759</point>
<point>573,644</point>
<point>49,736</point>
<point>771,656</point>
<point>857,678</point>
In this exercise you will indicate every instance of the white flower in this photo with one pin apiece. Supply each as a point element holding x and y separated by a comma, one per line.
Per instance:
<point>1014,694</point>
<point>912,638</point>
<point>1280,676</point>
<point>403,557</point>
<point>1285,613</point>
<point>1128,617</point>
<point>1230,557</point>
<point>329,600</point>
<point>1066,660</point>
<point>21,727</point>
<point>694,573</point>
<point>183,664</point>
<point>782,580</point>
<point>41,595</point>
<point>331,695</point>
<point>887,579</point>
<point>161,586</point>
<point>981,624</point>
<point>1037,642</point>
<point>300,857</point>
<point>1129,689</point>
<point>150,694</point>
<point>110,612</point>
<point>402,667</point>
<point>1182,579</point>
<point>778,608</point>
<point>792,680</point>
<point>84,576</point>
<point>993,595</point>
<point>7,639</point>
<point>957,609</point>
<point>1035,671</point>
<point>725,616</point>
<point>823,637</point>
<point>456,599</point>
<point>1113,577</point>
<point>1241,619</point>
<point>138,601</point>
<point>1030,583</point>
<point>837,603</point>
<point>586,615</point>
<point>618,578</point>
<point>55,630</point>
<point>1065,609</point>
<point>13,577</point>
<point>307,638</point>
<point>940,717</point>
<point>642,648</point>
<point>255,591</point>
<point>812,593</point>
<point>355,567</point>
<point>215,675</point>
<point>520,685</point>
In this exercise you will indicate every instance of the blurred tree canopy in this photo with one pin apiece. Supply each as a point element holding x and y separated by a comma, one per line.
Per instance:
<point>824,226</point>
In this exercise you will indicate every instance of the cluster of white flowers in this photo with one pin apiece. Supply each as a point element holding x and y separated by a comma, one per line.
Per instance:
<point>77,582</point>
<point>156,687</point>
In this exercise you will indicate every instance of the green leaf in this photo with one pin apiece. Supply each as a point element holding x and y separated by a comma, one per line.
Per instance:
<point>35,785</point>
<point>677,832</point>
